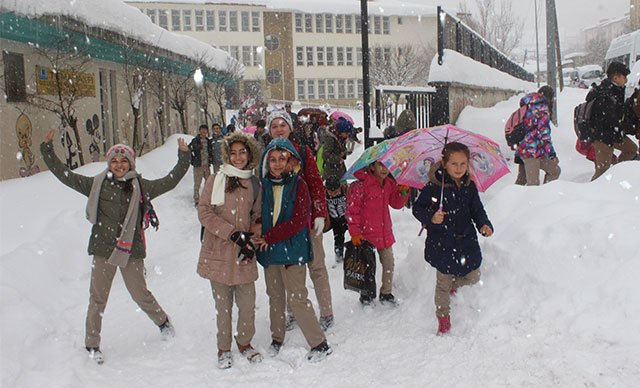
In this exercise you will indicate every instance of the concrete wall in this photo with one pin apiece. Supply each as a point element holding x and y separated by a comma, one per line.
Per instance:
<point>461,96</point>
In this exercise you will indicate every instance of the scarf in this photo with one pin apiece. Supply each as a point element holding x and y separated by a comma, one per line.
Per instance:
<point>220,181</point>
<point>124,243</point>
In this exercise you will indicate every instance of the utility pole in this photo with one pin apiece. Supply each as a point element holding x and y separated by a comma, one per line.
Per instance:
<point>364,33</point>
<point>535,2</point>
<point>551,54</point>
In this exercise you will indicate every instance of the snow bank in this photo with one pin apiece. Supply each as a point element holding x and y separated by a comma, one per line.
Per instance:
<point>116,16</point>
<point>457,68</point>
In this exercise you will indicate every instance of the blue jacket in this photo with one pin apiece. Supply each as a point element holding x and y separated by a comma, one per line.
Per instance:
<point>289,239</point>
<point>452,247</point>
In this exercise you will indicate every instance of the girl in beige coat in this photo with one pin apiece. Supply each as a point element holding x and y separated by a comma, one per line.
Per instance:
<point>228,209</point>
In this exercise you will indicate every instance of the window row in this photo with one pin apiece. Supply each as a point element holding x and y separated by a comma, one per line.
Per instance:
<point>347,24</point>
<point>328,56</point>
<point>205,20</point>
<point>321,89</point>
<point>247,55</point>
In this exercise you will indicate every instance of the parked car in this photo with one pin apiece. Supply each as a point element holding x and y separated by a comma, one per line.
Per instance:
<point>587,75</point>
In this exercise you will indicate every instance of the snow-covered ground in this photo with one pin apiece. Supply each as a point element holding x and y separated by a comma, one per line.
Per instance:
<point>558,304</point>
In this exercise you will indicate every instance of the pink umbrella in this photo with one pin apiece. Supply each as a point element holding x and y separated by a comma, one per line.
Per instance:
<point>250,130</point>
<point>412,154</point>
<point>335,115</point>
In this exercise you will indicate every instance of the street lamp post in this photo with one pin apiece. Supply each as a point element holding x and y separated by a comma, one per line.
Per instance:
<point>364,32</point>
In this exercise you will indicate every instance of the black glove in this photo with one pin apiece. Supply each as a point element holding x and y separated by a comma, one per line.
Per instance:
<point>241,238</point>
<point>247,253</point>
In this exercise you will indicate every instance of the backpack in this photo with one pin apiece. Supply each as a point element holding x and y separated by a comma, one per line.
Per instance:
<point>514,128</point>
<point>255,182</point>
<point>582,120</point>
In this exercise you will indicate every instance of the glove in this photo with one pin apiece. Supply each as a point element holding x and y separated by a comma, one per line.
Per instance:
<point>247,253</point>
<point>318,225</point>
<point>241,238</point>
<point>357,240</point>
<point>403,189</point>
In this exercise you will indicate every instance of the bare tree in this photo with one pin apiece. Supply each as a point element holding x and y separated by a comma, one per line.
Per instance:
<point>69,70</point>
<point>597,49</point>
<point>496,22</point>
<point>232,74</point>
<point>156,86</point>
<point>180,91</point>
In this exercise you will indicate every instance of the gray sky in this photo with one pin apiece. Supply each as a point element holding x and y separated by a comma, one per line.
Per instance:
<point>573,15</point>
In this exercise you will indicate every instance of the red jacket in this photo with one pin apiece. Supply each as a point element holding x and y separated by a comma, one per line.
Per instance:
<point>312,177</point>
<point>368,208</point>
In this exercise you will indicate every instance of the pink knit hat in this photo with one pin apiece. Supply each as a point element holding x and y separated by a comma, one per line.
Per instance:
<point>124,150</point>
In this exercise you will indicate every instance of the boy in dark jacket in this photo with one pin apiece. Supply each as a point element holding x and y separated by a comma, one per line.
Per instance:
<point>201,149</point>
<point>337,206</point>
<point>608,115</point>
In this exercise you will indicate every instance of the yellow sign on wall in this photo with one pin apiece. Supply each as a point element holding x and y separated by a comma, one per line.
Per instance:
<point>71,83</point>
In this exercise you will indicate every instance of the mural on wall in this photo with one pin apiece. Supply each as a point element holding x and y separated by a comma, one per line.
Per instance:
<point>23,133</point>
<point>70,149</point>
<point>93,129</point>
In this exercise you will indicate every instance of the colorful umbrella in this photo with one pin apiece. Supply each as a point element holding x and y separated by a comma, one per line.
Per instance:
<point>367,157</point>
<point>412,154</point>
<point>337,114</point>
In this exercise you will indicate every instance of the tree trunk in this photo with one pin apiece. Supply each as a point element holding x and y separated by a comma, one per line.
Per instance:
<point>134,140</point>
<point>73,123</point>
<point>183,121</point>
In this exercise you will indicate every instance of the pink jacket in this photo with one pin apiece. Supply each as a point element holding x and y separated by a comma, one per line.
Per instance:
<point>219,255</point>
<point>368,208</point>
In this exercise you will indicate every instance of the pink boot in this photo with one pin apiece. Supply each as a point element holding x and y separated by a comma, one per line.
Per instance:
<point>444,324</point>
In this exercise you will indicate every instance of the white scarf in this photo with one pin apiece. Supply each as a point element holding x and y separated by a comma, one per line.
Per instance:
<point>220,181</point>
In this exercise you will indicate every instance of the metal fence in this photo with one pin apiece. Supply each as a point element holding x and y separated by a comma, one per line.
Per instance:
<point>453,34</point>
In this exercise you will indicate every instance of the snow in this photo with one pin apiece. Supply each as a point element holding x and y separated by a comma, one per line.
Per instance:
<point>116,16</point>
<point>557,304</point>
<point>457,68</point>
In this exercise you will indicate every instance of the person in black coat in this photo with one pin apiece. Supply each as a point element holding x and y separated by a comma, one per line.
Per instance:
<point>452,245</point>
<point>608,119</point>
<point>201,148</point>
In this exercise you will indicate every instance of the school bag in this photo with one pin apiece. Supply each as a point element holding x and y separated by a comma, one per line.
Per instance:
<point>514,128</point>
<point>360,268</point>
<point>582,124</point>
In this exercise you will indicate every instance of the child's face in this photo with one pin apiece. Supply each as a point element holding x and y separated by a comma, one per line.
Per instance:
<point>457,165</point>
<point>119,166</point>
<point>379,170</point>
<point>238,155</point>
<point>278,161</point>
<point>334,193</point>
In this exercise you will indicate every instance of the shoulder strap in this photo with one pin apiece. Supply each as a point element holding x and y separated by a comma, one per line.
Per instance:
<point>255,182</point>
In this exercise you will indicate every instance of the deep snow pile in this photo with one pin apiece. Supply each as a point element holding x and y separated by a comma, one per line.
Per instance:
<point>558,303</point>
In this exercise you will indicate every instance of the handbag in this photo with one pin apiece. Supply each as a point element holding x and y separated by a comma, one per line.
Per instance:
<point>360,268</point>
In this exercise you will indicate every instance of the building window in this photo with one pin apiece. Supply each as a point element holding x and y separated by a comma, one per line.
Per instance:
<point>321,89</point>
<point>319,23</point>
<point>175,20</point>
<point>339,24</point>
<point>399,19</point>
<point>274,76</point>
<point>199,20</point>
<point>331,90</point>
<point>328,22</point>
<point>255,21</point>
<point>233,21</point>
<point>222,20</point>
<point>386,25</point>
<point>340,56</point>
<point>257,56</point>
<point>311,89</point>
<point>377,23</point>
<point>163,19</point>
<point>349,56</point>
<point>211,20</point>
<point>358,25</point>
<point>348,24</point>
<point>246,55</point>
<point>301,95</point>
<point>152,15</point>
<point>15,87</point>
<point>360,87</point>
<point>298,19</point>
<point>234,51</point>
<point>330,56</point>
<point>308,22</point>
<point>387,53</point>
<point>359,56</point>
<point>299,56</point>
<point>341,94</point>
<point>309,56</point>
<point>271,42</point>
<point>370,24</point>
<point>320,56</point>
<point>350,89</point>
<point>186,19</point>
<point>244,21</point>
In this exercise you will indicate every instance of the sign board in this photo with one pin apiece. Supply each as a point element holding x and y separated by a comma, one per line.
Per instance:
<point>79,84</point>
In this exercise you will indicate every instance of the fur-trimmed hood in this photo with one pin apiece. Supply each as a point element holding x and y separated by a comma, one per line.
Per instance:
<point>249,142</point>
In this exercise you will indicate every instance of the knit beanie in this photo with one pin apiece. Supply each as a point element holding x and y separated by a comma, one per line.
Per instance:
<point>279,114</point>
<point>343,125</point>
<point>124,150</point>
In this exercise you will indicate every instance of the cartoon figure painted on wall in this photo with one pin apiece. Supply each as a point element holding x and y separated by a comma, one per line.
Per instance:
<point>93,128</point>
<point>23,132</point>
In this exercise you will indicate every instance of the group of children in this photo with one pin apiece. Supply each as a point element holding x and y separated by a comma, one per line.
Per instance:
<point>269,220</point>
